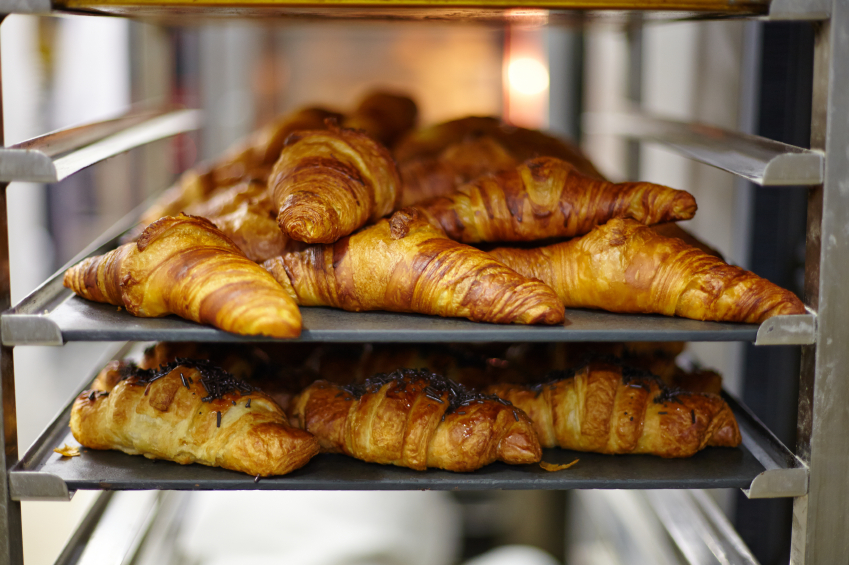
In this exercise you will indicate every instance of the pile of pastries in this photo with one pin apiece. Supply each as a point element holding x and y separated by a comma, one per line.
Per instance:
<point>268,409</point>
<point>361,211</point>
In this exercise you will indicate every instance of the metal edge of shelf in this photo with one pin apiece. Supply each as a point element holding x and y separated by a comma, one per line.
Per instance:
<point>799,10</point>
<point>798,329</point>
<point>698,526</point>
<point>35,485</point>
<point>28,163</point>
<point>762,161</point>
<point>784,475</point>
<point>116,535</point>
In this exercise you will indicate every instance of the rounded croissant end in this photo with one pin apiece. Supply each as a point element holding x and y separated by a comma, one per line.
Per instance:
<point>727,434</point>
<point>520,445</point>
<point>307,217</point>
<point>683,206</point>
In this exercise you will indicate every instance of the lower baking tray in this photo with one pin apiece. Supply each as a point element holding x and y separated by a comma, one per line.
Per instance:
<point>43,474</point>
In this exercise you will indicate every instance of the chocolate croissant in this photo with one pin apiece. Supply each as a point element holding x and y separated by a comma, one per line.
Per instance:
<point>327,184</point>
<point>624,266</point>
<point>183,265</point>
<point>606,408</point>
<point>191,412</point>
<point>547,197</point>
<point>415,419</point>
<point>406,265</point>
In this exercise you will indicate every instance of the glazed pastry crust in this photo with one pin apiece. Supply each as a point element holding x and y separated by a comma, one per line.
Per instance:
<point>405,422</point>
<point>327,184</point>
<point>406,265</point>
<point>183,265</point>
<point>599,410</point>
<point>624,266</point>
<point>166,419</point>
<point>548,197</point>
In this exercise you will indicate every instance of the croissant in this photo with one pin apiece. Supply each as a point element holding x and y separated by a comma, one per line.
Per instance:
<point>624,266</point>
<point>327,184</point>
<point>522,144</point>
<point>547,197</point>
<point>183,265</point>
<point>244,213</point>
<point>415,419</point>
<point>191,412</point>
<point>384,116</point>
<point>406,265</point>
<point>606,408</point>
<point>430,176</point>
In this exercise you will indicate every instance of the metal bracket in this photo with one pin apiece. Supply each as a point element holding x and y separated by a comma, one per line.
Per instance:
<point>797,10</point>
<point>799,329</point>
<point>47,485</point>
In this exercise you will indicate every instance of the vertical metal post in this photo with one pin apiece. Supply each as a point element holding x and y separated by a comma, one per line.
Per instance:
<point>635,88</point>
<point>11,544</point>
<point>820,528</point>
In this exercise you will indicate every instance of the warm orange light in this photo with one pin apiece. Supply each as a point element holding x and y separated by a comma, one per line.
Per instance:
<point>527,75</point>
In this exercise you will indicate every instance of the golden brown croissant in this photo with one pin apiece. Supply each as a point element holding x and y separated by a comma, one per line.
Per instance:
<point>522,144</point>
<point>606,408</point>
<point>624,266</point>
<point>415,419</point>
<point>385,116</point>
<point>406,265</point>
<point>185,266</point>
<point>327,184</point>
<point>192,412</point>
<point>244,213</point>
<point>547,197</point>
<point>430,176</point>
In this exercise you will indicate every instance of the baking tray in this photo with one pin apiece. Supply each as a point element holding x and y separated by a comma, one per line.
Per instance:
<point>762,466</point>
<point>53,315</point>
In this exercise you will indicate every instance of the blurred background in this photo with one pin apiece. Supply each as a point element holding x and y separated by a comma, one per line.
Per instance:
<point>749,76</point>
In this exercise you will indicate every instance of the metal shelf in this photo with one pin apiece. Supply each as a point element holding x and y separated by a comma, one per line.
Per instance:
<point>53,315</point>
<point>762,466</point>
<point>757,159</point>
<point>57,155</point>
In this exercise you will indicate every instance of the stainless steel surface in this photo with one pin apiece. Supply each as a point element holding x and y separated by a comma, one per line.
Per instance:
<point>71,318</point>
<point>784,474</point>
<point>58,155</point>
<point>799,10</point>
<point>701,531</point>
<point>81,536</point>
<point>788,330</point>
<point>762,161</point>
<point>112,470</point>
<point>122,528</point>
<point>820,525</point>
<point>25,6</point>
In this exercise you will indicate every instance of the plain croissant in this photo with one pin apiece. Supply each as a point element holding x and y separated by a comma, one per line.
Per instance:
<point>184,265</point>
<point>547,197</point>
<point>327,184</point>
<point>384,116</point>
<point>624,266</point>
<point>190,412</point>
<point>605,408</point>
<point>406,265</point>
<point>415,419</point>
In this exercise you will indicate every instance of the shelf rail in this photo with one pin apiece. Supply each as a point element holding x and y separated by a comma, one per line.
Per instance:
<point>762,161</point>
<point>57,155</point>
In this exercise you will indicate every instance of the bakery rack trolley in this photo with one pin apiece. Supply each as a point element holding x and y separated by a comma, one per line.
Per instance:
<point>815,476</point>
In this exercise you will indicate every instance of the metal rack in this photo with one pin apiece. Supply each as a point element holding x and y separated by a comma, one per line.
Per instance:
<point>763,467</point>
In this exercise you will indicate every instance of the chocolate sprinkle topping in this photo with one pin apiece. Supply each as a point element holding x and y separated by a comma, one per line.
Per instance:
<point>248,403</point>
<point>216,381</point>
<point>438,388</point>
<point>693,416</point>
<point>218,419</point>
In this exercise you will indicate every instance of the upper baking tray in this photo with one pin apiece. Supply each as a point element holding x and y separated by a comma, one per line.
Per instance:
<point>53,315</point>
